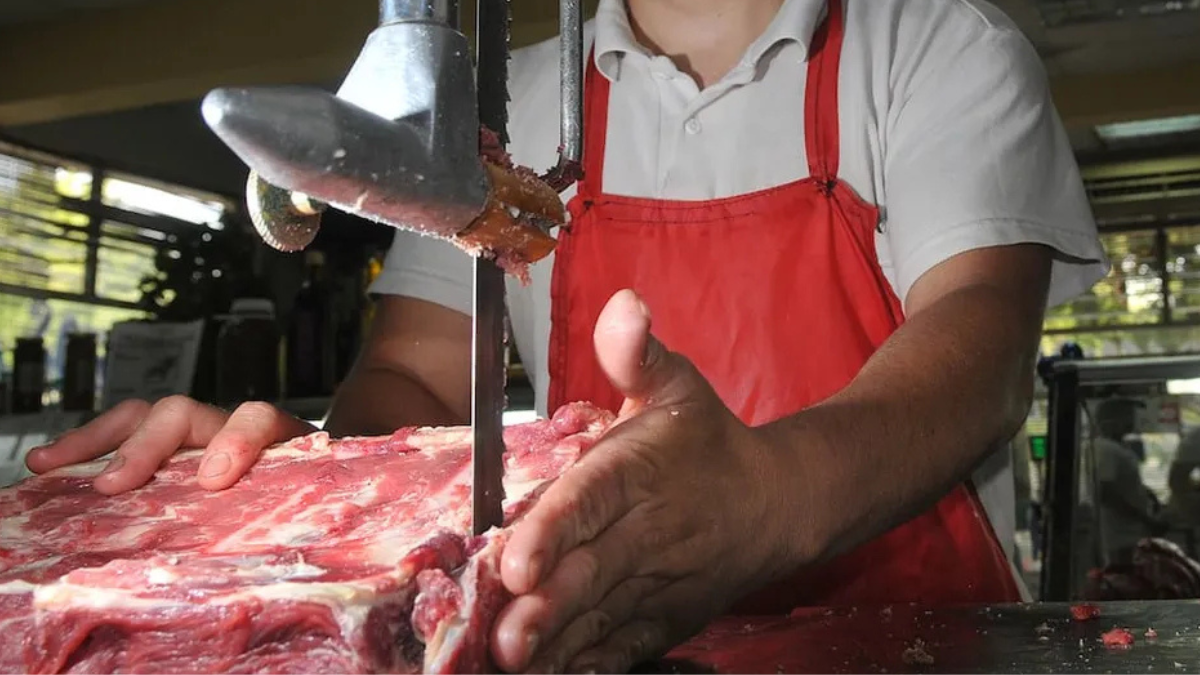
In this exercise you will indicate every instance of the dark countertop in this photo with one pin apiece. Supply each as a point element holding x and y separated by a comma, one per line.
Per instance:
<point>1031,638</point>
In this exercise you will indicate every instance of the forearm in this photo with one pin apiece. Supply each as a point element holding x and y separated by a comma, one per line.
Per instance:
<point>1112,498</point>
<point>376,400</point>
<point>952,384</point>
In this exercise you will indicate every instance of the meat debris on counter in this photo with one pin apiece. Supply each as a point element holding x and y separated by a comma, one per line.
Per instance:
<point>1117,638</point>
<point>1084,612</point>
<point>329,556</point>
<point>917,654</point>
<point>1151,634</point>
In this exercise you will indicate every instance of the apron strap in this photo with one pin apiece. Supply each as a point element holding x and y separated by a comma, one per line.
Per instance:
<point>820,107</point>
<point>821,95</point>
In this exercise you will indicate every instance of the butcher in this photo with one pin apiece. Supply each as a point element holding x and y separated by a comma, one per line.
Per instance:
<point>808,264</point>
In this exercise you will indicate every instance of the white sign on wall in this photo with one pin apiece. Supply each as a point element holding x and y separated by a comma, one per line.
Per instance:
<point>150,361</point>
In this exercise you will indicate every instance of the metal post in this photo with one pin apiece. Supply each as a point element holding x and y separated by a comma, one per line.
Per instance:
<point>1062,486</point>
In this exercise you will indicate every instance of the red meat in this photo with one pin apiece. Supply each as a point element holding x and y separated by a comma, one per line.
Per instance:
<point>329,556</point>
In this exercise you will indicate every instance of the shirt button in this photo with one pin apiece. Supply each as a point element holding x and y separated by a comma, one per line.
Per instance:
<point>692,125</point>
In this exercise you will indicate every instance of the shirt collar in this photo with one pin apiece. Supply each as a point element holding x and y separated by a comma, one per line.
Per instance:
<point>796,21</point>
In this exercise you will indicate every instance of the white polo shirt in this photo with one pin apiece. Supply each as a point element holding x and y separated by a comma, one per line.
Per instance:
<point>946,124</point>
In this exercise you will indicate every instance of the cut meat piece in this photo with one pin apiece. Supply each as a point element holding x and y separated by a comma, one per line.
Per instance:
<point>1084,612</point>
<point>513,229</point>
<point>1117,638</point>
<point>329,556</point>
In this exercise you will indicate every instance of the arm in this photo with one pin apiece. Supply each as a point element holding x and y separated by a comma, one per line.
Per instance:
<point>414,369</point>
<point>681,509</point>
<point>1122,491</point>
<point>1113,497</point>
<point>963,364</point>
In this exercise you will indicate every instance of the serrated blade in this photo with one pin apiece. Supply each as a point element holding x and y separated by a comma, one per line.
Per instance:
<point>492,34</point>
<point>487,316</point>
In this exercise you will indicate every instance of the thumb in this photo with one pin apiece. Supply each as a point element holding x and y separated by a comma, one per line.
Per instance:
<point>636,363</point>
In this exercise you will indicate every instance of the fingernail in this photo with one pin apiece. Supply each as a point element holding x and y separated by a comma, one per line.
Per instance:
<point>215,466</point>
<point>531,644</point>
<point>114,465</point>
<point>643,308</point>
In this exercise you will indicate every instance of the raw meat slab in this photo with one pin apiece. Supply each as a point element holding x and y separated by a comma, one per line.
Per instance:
<point>349,555</point>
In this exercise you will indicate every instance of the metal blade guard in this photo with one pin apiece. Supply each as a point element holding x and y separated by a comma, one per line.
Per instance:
<point>398,144</point>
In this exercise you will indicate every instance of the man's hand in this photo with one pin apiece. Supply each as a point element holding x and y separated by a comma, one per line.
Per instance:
<point>145,435</point>
<point>417,352</point>
<point>646,539</point>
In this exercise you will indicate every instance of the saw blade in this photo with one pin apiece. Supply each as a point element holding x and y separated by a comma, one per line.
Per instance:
<point>493,23</point>
<point>487,316</point>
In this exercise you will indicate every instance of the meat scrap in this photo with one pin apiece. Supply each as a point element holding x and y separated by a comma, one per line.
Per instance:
<point>1085,612</point>
<point>330,556</point>
<point>1151,634</point>
<point>521,208</point>
<point>1117,638</point>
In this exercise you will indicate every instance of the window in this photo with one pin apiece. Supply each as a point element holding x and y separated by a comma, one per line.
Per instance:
<point>1148,304</point>
<point>77,242</point>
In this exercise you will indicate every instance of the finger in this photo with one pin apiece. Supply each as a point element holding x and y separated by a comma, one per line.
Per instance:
<point>587,577</point>
<point>622,336</point>
<point>636,363</point>
<point>94,439</point>
<point>173,423</point>
<point>634,643</point>
<point>593,626</point>
<point>593,494</point>
<point>252,428</point>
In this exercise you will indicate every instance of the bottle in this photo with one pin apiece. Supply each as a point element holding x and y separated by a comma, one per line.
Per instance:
<point>311,337</point>
<point>79,373</point>
<point>248,354</point>
<point>29,375</point>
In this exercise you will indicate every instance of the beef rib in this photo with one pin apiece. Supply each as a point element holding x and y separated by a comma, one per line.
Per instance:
<point>349,555</point>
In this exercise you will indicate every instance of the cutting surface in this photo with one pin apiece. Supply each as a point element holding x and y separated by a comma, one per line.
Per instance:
<point>1032,638</point>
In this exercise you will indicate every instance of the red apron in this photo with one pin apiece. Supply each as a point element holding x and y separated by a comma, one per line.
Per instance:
<point>778,298</point>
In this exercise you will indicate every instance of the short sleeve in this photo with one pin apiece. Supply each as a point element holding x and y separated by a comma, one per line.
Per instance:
<point>976,157</point>
<point>427,269</point>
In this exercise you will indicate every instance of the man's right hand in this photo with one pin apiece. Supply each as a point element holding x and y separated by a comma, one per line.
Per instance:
<point>144,436</point>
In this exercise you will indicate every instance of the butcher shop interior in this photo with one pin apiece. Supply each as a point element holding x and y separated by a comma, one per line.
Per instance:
<point>166,233</point>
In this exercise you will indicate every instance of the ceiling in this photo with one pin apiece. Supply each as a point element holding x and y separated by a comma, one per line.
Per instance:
<point>19,11</point>
<point>1074,37</point>
<point>1084,35</point>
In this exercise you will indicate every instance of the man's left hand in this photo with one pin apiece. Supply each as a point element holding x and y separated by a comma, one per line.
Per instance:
<point>671,518</point>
